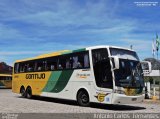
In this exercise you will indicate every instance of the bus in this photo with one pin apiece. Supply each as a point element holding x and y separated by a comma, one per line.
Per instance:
<point>99,74</point>
<point>5,81</point>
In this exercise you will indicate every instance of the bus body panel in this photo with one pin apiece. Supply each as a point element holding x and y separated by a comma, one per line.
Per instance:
<point>65,84</point>
<point>123,99</point>
<point>28,79</point>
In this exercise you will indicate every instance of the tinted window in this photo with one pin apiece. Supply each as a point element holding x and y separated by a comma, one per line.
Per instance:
<point>16,67</point>
<point>51,63</point>
<point>124,53</point>
<point>40,65</point>
<point>77,60</point>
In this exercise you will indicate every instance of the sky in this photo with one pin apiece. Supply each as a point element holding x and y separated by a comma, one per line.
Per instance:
<point>32,27</point>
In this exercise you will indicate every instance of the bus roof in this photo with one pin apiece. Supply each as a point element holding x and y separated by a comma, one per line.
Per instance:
<point>69,51</point>
<point>5,75</point>
<point>106,46</point>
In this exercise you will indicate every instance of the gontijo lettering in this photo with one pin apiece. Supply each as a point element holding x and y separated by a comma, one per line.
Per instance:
<point>35,76</point>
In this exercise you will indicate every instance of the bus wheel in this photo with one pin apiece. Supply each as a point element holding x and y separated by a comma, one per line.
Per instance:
<point>83,98</point>
<point>22,92</point>
<point>29,92</point>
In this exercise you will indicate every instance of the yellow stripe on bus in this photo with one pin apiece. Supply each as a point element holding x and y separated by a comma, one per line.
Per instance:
<point>28,79</point>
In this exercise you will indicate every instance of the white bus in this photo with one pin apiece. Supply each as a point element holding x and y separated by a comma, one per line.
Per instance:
<point>101,74</point>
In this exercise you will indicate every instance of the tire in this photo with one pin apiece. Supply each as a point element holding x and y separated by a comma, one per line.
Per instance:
<point>29,93</point>
<point>83,98</point>
<point>23,92</point>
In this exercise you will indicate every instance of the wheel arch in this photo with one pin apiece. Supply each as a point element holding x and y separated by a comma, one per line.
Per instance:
<point>29,87</point>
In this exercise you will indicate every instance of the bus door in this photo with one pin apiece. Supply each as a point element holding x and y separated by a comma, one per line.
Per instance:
<point>102,74</point>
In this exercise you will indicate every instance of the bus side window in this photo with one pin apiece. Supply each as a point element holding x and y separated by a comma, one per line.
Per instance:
<point>86,60</point>
<point>62,62</point>
<point>60,66</point>
<point>79,65</point>
<point>39,65</point>
<point>16,68</point>
<point>51,64</point>
<point>25,68</point>
<point>21,67</point>
<point>30,66</point>
<point>75,61</point>
<point>45,65</point>
<point>80,60</point>
<point>67,64</point>
<point>52,67</point>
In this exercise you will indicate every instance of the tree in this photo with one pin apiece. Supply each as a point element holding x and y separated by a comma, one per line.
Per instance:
<point>154,62</point>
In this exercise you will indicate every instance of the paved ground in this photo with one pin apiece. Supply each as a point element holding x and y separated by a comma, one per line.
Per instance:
<point>13,103</point>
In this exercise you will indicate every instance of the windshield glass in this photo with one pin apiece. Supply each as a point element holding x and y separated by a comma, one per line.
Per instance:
<point>129,74</point>
<point>125,54</point>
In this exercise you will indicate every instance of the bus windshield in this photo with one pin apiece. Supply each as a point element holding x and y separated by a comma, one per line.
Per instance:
<point>125,54</point>
<point>130,73</point>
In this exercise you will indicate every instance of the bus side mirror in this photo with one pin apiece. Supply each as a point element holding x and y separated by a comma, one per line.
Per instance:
<point>146,66</point>
<point>116,62</point>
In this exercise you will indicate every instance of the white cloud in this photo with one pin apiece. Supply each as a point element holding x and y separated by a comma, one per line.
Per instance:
<point>34,27</point>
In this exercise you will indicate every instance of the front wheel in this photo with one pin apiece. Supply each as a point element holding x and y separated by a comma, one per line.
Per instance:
<point>83,98</point>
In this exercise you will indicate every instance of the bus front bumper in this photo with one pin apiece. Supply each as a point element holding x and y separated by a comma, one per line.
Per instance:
<point>123,99</point>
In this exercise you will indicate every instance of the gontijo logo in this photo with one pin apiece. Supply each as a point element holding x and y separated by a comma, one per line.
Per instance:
<point>35,76</point>
<point>101,96</point>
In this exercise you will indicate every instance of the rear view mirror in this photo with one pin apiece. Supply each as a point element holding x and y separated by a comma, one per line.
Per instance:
<point>146,66</point>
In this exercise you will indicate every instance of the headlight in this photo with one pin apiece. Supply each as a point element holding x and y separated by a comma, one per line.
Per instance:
<point>119,91</point>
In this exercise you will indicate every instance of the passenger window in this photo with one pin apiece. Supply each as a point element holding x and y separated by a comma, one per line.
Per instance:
<point>75,62</point>
<point>86,60</point>
<point>61,62</point>
<point>80,63</point>
<point>69,62</point>
<point>40,65</point>
<point>51,64</point>
<point>68,65</point>
<point>60,66</point>
<point>30,66</point>
<point>21,67</point>
<point>16,68</point>
<point>80,60</point>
